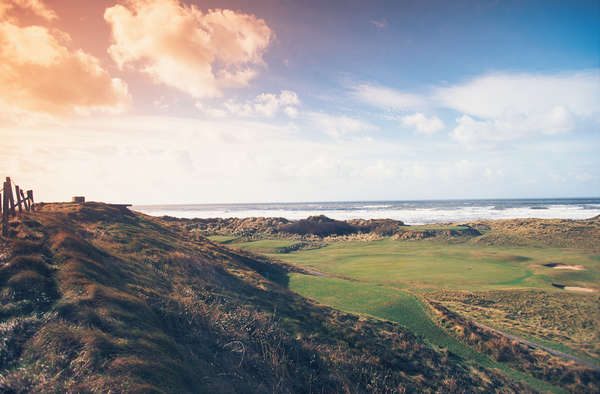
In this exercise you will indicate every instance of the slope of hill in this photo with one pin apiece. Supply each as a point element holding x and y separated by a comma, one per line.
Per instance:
<point>557,233</point>
<point>97,298</point>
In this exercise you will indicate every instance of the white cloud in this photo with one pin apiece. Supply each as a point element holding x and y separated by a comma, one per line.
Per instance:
<point>42,78</point>
<point>292,112</point>
<point>387,98</point>
<point>264,105</point>
<point>472,132</point>
<point>504,107</point>
<point>261,158</point>
<point>267,161</point>
<point>498,107</point>
<point>236,108</point>
<point>36,6</point>
<point>506,95</point>
<point>337,126</point>
<point>422,124</point>
<point>287,97</point>
<point>212,112</point>
<point>182,47</point>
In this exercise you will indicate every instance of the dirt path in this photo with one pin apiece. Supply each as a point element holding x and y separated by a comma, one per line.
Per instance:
<point>314,273</point>
<point>538,346</point>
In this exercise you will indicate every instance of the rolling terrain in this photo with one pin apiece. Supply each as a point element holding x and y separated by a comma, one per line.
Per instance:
<point>536,280</point>
<point>96,298</point>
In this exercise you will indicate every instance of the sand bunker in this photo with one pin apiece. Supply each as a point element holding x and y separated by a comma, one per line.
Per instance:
<point>575,288</point>
<point>561,266</point>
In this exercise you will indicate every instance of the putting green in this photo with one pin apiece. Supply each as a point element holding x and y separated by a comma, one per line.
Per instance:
<point>430,264</point>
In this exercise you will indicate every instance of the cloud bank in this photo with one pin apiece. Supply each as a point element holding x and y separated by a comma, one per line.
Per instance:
<point>42,77</point>
<point>498,107</point>
<point>182,47</point>
<point>505,94</point>
<point>501,107</point>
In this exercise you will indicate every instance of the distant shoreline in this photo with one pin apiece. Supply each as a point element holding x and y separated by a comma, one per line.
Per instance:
<point>410,212</point>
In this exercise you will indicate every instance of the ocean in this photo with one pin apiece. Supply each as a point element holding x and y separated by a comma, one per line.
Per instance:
<point>410,212</point>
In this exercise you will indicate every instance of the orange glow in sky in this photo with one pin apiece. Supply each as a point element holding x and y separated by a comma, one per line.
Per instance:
<point>237,101</point>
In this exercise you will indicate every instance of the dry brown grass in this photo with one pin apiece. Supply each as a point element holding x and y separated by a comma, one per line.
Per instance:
<point>565,233</point>
<point>566,318</point>
<point>98,299</point>
<point>537,363</point>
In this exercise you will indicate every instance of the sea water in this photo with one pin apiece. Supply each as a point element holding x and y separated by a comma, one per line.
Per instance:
<point>410,212</point>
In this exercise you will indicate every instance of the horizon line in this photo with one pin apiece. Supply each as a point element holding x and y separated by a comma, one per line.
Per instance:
<point>371,201</point>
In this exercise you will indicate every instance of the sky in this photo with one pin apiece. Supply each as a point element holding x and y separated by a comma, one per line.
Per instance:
<point>182,101</point>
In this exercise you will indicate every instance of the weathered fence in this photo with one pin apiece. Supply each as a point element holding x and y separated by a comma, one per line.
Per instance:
<point>10,207</point>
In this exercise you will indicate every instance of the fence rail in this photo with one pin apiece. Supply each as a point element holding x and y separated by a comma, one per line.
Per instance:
<point>10,207</point>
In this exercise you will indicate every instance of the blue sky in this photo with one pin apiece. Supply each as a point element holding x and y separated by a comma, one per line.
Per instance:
<point>166,101</point>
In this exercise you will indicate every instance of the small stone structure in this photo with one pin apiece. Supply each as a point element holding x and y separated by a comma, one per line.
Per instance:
<point>79,199</point>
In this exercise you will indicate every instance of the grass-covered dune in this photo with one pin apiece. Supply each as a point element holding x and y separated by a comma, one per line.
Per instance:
<point>565,318</point>
<point>556,233</point>
<point>539,233</point>
<point>534,279</point>
<point>95,298</point>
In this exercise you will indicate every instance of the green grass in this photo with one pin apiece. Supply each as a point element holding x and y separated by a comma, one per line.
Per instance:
<point>399,306</point>
<point>380,301</point>
<point>389,276</point>
<point>433,265</point>
<point>266,246</point>
<point>104,300</point>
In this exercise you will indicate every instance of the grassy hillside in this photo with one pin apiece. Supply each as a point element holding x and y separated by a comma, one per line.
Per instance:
<point>97,298</point>
<point>555,233</point>
<point>569,319</point>
<point>505,284</point>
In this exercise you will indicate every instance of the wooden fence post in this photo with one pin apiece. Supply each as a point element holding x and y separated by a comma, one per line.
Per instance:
<point>30,197</point>
<point>25,200</point>
<point>11,199</point>
<point>5,211</point>
<point>19,202</point>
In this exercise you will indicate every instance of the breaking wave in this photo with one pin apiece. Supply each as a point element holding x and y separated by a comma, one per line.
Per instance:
<point>411,212</point>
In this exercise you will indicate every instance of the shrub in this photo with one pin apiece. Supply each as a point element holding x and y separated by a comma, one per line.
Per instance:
<point>321,226</point>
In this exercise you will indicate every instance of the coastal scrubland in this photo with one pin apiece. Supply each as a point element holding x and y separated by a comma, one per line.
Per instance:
<point>96,298</point>
<point>538,279</point>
